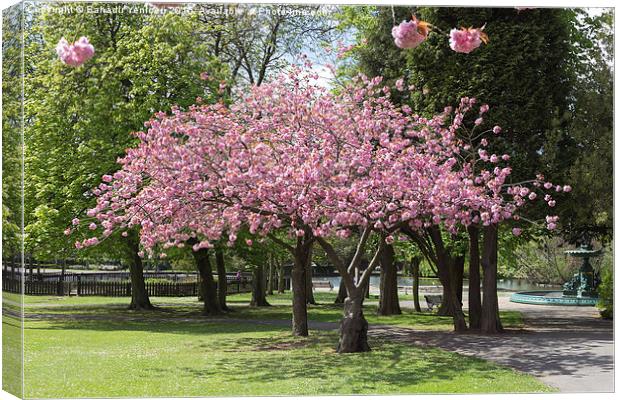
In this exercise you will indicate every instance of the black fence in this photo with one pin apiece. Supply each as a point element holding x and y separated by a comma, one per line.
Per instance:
<point>174,284</point>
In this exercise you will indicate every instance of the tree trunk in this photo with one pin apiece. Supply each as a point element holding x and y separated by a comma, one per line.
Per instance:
<point>475,304</point>
<point>298,283</point>
<point>353,327</point>
<point>490,320</point>
<point>270,275</point>
<point>388,295</point>
<point>258,288</point>
<point>451,304</point>
<point>139,296</point>
<point>342,294</point>
<point>415,272</point>
<point>222,284</point>
<point>281,282</point>
<point>208,290</point>
<point>458,271</point>
<point>309,292</point>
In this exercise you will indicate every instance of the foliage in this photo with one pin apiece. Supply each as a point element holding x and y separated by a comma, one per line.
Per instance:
<point>606,288</point>
<point>591,128</point>
<point>79,119</point>
<point>542,260</point>
<point>12,19</point>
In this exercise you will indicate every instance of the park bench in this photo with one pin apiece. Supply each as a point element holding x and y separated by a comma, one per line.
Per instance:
<point>322,285</point>
<point>433,300</point>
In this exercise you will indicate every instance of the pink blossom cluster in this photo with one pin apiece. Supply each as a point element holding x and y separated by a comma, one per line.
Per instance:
<point>289,155</point>
<point>75,54</point>
<point>410,34</point>
<point>465,40</point>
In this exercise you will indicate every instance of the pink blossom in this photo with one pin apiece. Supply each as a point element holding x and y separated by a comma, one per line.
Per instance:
<point>551,226</point>
<point>204,76</point>
<point>75,221</point>
<point>478,121</point>
<point>249,242</point>
<point>497,129</point>
<point>92,226</point>
<point>567,188</point>
<point>67,231</point>
<point>272,160</point>
<point>465,40</point>
<point>516,231</point>
<point>107,178</point>
<point>410,34</point>
<point>75,54</point>
<point>400,84</point>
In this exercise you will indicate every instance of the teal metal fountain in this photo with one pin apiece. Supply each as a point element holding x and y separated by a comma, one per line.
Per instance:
<point>580,290</point>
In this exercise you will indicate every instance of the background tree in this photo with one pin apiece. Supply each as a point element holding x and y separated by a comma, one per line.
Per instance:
<point>591,131</point>
<point>257,41</point>
<point>12,139</point>
<point>79,120</point>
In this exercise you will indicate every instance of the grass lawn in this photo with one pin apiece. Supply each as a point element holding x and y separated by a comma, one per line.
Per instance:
<point>324,311</point>
<point>11,355</point>
<point>94,347</point>
<point>91,352</point>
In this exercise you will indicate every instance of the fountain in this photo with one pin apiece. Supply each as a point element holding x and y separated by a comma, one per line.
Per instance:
<point>580,290</point>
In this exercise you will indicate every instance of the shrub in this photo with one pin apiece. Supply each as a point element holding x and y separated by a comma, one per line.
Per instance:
<point>606,288</point>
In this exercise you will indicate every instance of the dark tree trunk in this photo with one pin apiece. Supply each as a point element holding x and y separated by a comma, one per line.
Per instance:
<point>309,292</point>
<point>451,304</point>
<point>281,281</point>
<point>388,295</point>
<point>259,298</point>
<point>211,305</point>
<point>342,294</point>
<point>475,304</point>
<point>270,275</point>
<point>458,271</point>
<point>490,320</point>
<point>353,327</point>
<point>139,296</point>
<point>415,272</point>
<point>447,306</point>
<point>298,283</point>
<point>222,285</point>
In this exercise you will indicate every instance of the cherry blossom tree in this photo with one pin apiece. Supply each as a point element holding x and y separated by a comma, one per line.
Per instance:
<point>291,156</point>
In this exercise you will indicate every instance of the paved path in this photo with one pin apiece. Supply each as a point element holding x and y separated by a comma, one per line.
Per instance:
<point>569,348</point>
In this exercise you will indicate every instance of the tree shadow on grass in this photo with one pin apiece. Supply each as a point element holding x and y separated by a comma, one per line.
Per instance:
<point>391,366</point>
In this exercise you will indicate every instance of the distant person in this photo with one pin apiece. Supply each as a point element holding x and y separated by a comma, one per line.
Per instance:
<point>238,276</point>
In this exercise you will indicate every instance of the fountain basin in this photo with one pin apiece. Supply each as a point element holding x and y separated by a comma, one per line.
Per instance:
<point>552,298</point>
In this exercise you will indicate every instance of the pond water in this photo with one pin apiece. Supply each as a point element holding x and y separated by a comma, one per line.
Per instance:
<point>404,281</point>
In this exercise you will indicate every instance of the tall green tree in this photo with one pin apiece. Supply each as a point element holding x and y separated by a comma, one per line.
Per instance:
<point>590,172</point>
<point>79,120</point>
